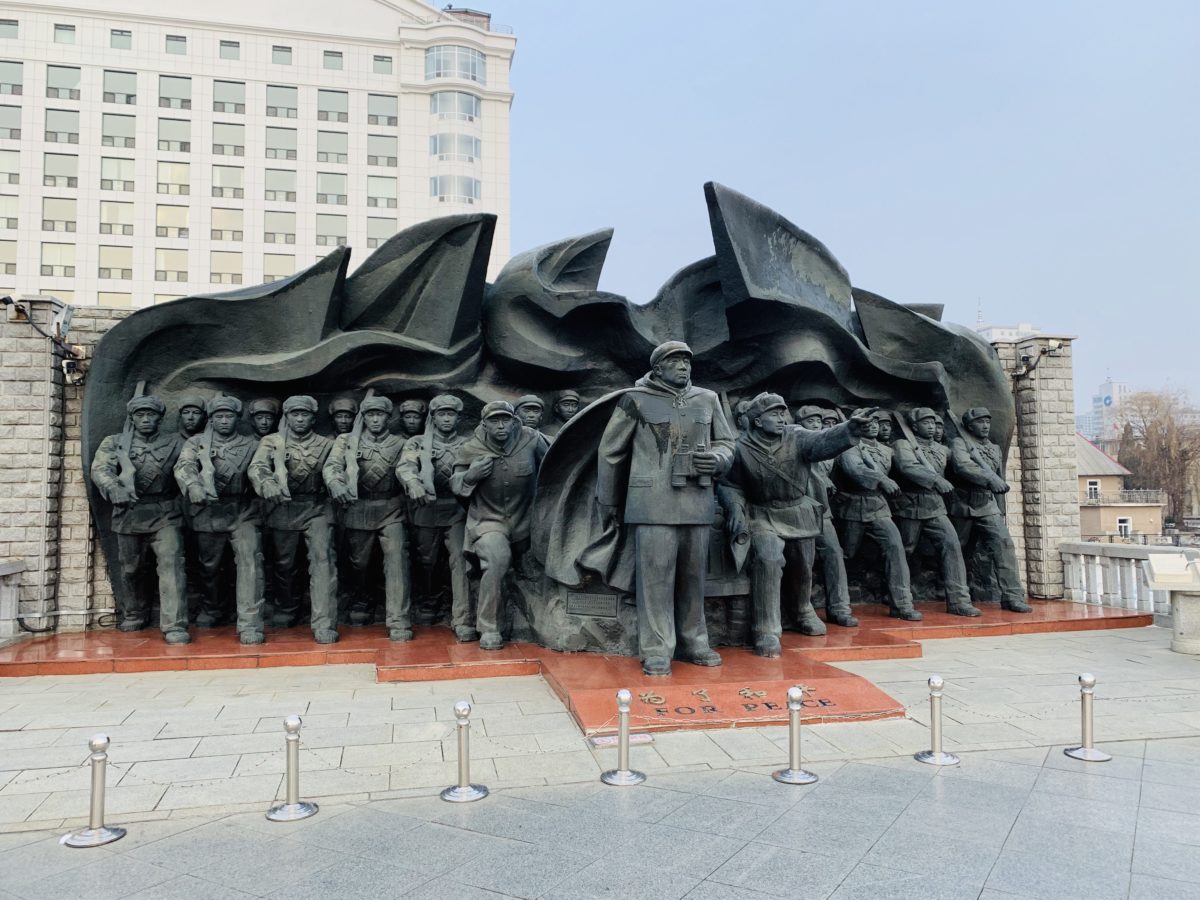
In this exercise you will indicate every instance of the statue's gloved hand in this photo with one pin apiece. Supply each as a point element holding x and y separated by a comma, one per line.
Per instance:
<point>341,494</point>
<point>609,515</point>
<point>889,487</point>
<point>120,496</point>
<point>859,420</point>
<point>736,523</point>
<point>1000,486</point>
<point>479,470</point>
<point>706,462</point>
<point>942,486</point>
<point>416,493</point>
<point>271,491</point>
<point>195,494</point>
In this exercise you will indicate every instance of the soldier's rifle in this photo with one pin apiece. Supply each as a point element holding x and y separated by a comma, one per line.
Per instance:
<point>126,473</point>
<point>352,444</point>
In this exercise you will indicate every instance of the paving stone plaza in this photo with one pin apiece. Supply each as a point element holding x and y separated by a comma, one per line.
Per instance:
<point>197,758</point>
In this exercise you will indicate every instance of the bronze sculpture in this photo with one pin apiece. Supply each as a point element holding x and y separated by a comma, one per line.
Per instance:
<point>192,415</point>
<point>412,417</point>
<point>566,407</point>
<point>342,411</point>
<point>264,415</point>
<point>222,512</point>
<point>529,410</point>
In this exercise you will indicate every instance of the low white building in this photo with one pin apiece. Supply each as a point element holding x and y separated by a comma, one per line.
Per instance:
<point>145,155</point>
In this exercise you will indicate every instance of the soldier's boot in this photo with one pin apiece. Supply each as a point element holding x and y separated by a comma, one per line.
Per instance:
<point>963,609</point>
<point>131,622</point>
<point>807,621</point>
<point>325,636</point>
<point>177,636</point>
<point>250,638</point>
<point>360,613</point>
<point>400,634</point>
<point>491,640</point>
<point>767,645</point>
<point>704,656</point>
<point>465,634</point>
<point>905,611</point>
<point>1017,606</point>
<point>839,614</point>
<point>656,665</point>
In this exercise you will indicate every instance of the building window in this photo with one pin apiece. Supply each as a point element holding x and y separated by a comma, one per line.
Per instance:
<point>177,44</point>
<point>174,178</point>
<point>229,97</point>
<point>1093,489</point>
<point>8,28</point>
<point>170,265</point>
<point>331,230</point>
<point>59,170</point>
<point>8,257</point>
<point>12,78</point>
<point>117,131</point>
<point>281,101</point>
<point>230,50</point>
<point>227,225</point>
<point>116,263</point>
<point>281,55</point>
<point>116,218</point>
<point>10,165</point>
<point>62,82</point>
<point>455,105</point>
<point>229,182</point>
<point>331,188</point>
<point>225,267</point>
<point>58,214</point>
<point>229,139</point>
<point>279,227</point>
<point>62,126</point>
<point>454,147</point>
<point>332,146</point>
<point>117,174</point>
<point>175,135</point>
<point>281,143</point>
<point>455,62</point>
<point>333,106</point>
<point>332,59</point>
<point>381,150</point>
<point>281,185</point>
<point>381,192</point>
<point>171,222</point>
<point>379,230</point>
<point>381,109</point>
<point>278,266</point>
<point>119,39</point>
<point>174,92</point>
<point>64,34</point>
<point>381,65</point>
<point>454,188</point>
<point>58,260</point>
<point>120,87</point>
<point>1124,526</point>
<point>109,298</point>
<point>9,205</point>
<point>10,124</point>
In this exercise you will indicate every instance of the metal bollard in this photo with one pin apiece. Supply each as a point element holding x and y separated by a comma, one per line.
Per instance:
<point>622,775</point>
<point>97,833</point>
<point>1087,694</point>
<point>294,808</point>
<point>794,774</point>
<point>464,791</point>
<point>934,755</point>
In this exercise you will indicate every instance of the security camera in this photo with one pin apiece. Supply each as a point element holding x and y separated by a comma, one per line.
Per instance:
<point>72,371</point>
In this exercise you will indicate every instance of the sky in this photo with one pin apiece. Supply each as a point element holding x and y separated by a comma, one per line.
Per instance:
<point>1036,160</point>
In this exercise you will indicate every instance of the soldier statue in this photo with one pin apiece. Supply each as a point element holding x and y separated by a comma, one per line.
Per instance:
<point>672,441</point>
<point>264,415</point>
<point>361,477</point>
<point>286,473</point>
<point>885,429</point>
<point>438,519</point>
<point>497,470</point>
<point>529,410</point>
<point>977,470</point>
<point>770,478</point>
<point>861,510</point>
<point>828,547</point>
<point>829,418</point>
<point>566,405</point>
<point>212,474</point>
<point>740,422</point>
<point>192,415</point>
<point>919,465</point>
<point>133,471</point>
<point>939,429</point>
<point>412,417</point>
<point>342,411</point>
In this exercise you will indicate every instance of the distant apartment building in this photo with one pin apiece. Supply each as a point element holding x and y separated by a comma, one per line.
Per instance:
<point>1007,333</point>
<point>150,151</point>
<point>1102,424</point>
<point>1107,511</point>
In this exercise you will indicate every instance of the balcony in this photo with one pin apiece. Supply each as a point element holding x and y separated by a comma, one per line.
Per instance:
<point>1122,498</point>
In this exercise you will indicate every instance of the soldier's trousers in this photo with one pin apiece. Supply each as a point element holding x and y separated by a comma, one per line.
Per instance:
<point>246,542</point>
<point>397,586</point>
<point>322,573</point>
<point>773,559</point>
<point>944,538</point>
<point>167,546</point>
<point>989,535</point>
<point>495,554</point>
<point>833,567</point>
<point>430,542</point>
<point>895,564</point>
<point>670,562</point>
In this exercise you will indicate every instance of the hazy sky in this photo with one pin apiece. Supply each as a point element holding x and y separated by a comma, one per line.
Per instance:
<point>1039,158</point>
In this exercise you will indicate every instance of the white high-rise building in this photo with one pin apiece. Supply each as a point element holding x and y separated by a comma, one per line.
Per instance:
<point>145,155</point>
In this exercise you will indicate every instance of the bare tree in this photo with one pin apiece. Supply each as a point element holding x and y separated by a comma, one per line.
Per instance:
<point>1160,444</point>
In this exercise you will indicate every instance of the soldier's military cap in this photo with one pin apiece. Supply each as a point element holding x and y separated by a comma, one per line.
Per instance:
<point>534,400</point>
<point>412,405</point>
<point>568,395</point>
<point>670,348</point>
<point>921,412</point>
<point>445,401</point>
<point>807,412</point>
<point>146,401</point>
<point>377,403</point>
<point>225,403</point>
<point>497,408</point>
<point>300,401</point>
<point>193,400</point>
<point>939,419</point>
<point>762,403</point>
<point>976,412</point>
<point>337,405</point>
<point>264,404</point>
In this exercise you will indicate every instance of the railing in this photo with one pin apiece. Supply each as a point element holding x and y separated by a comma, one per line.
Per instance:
<point>1108,498</point>
<point>1114,575</point>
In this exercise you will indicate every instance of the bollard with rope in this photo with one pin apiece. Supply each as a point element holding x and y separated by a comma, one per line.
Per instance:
<point>293,808</point>
<point>935,756</point>
<point>1087,695</point>
<point>97,834</point>
<point>794,773</point>
<point>622,775</point>
<point>464,791</point>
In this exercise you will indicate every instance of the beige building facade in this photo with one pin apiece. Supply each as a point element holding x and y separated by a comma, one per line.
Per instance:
<point>1107,511</point>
